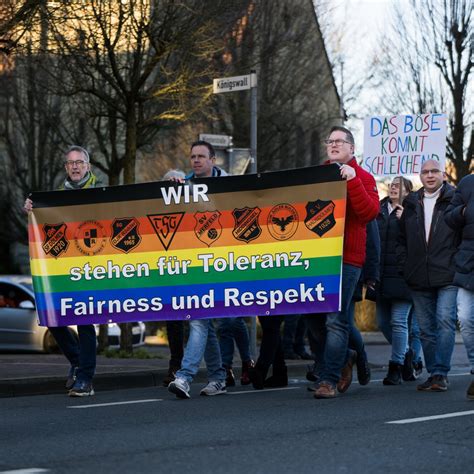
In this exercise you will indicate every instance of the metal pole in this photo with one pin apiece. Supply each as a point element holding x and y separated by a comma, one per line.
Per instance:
<point>253,169</point>
<point>253,121</point>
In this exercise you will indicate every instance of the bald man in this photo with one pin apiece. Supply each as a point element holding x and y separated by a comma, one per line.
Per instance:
<point>425,250</point>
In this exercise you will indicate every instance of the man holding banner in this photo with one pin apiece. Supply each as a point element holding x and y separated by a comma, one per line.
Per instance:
<point>425,253</point>
<point>81,354</point>
<point>362,207</point>
<point>202,341</point>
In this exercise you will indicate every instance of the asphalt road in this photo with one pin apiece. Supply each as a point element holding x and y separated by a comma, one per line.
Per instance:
<point>278,431</point>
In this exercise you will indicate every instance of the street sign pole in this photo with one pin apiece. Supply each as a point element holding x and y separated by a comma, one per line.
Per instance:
<point>253,120</point>
<point>234,84</point>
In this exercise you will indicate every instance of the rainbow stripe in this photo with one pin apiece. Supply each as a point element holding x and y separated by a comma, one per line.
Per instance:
<point>239,246</point>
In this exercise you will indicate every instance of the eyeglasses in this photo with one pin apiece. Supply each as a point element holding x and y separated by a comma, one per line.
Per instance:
<point>338,142</point>
<point>71,163</point>
<point>427,172</point>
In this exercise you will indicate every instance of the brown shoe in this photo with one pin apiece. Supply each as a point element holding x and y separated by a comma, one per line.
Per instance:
<point>325,390</point>
<point>346,373</point>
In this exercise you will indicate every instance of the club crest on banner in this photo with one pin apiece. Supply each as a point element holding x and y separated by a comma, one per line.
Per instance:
<point>208,228</point>
<point>165,226</point>
<point>246,226</point>
<point>125,236</point>
<point>320,216</point>
<point>282,221</point>
<point>90,237</point>
<point>55,242</point>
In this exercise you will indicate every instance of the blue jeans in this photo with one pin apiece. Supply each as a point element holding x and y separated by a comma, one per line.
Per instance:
<point>80,354</point>
<point>465,304</point>
<point>392,318</point>
<point>202,342</point>
<point>435,311</point>
<point>338,327</point>
<point>414,340</point>
<point>230,329</point>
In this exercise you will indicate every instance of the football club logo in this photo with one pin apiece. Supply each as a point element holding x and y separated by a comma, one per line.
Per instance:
<point>90,237</point>
<point>125,236</point>
<point>282,221</point>
<point>165,226</point>
<point>246,226</point>
<point>320,216</point>
<point>208,228</point>
<point>55,242</point>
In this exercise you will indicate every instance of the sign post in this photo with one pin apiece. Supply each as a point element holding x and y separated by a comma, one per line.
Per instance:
<point>233,84</point>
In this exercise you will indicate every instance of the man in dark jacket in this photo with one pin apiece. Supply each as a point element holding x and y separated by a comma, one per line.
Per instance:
<point>460,215</point>
<point>81,354</point>
<point>425,251</point>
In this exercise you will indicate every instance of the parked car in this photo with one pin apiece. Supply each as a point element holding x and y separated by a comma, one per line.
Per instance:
<point>19,329</point>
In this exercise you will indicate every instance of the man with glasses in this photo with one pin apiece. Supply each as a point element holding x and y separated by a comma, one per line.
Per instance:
<point>334,358</point>
<point>80,353</point>
<point>425,253</point>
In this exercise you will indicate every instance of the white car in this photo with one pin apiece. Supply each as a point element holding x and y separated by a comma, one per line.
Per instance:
<point>19,330</point>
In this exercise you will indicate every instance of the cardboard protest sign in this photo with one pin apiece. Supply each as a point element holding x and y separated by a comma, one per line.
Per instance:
<point>399,144</point>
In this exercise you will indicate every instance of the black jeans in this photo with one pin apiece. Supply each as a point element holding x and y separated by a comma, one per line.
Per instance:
<point>271,350</point>
<point>175,331</point>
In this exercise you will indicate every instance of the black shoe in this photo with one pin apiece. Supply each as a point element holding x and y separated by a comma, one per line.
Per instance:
<point>363,369</point>
<point>244,378</point>
<point>257,378</point>
<point>418,368</point>
<point>304,355</point>
<point>291,356</point>
<point>311,373</point>
<point>470,391</point>
<point>278,379</point>
<point>408,371</point>
<point>394,374</point>
<point>229,378</point>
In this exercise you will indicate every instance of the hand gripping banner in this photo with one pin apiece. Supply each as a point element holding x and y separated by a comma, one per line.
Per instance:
<point>233,246</point>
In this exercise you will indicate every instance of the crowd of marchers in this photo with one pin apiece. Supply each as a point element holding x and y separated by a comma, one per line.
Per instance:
<point>412,253</point>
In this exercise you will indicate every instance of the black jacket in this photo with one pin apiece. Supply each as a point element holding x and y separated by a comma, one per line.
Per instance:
<point>426,265</point>
<point>464,259</point>
<point>392,285</point>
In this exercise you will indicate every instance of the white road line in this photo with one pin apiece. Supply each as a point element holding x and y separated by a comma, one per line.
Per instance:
<point>429,418</point>
<point>266,390</point>
<point>130,402</point>
<point>31,470</point>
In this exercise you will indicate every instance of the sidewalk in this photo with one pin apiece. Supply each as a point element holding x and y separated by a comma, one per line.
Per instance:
<point>38,374</point>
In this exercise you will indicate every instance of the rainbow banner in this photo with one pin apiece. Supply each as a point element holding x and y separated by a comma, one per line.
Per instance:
<point>233,246</point>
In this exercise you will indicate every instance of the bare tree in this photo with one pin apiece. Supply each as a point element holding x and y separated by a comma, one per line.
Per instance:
<point>426,65</point>
<point>137,66</point>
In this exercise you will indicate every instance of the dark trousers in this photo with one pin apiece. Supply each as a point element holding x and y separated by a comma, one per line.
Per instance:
<point>175,331</point>
<point>80,354</point>
<point>271,351</point>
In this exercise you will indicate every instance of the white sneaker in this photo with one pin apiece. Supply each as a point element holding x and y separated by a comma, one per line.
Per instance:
<point>180,387</point>
<point>214,388</point>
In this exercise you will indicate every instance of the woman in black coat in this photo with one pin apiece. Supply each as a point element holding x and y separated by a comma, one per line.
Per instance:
<point>393,298</point>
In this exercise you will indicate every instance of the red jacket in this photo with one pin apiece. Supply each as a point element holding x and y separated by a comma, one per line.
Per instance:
<point>362,207</point>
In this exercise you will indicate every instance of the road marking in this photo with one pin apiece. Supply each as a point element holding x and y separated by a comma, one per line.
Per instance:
<point>130,402</point>
<point>263,391</point>
<point>31,470</point>
<point>429,418</point>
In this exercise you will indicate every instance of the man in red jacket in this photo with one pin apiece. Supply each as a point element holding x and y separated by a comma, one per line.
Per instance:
<point>362,207</point>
